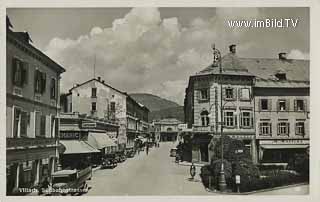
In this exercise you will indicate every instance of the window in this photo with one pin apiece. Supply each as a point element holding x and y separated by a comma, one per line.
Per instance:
<point>93,106</point>
<point>265,128</point>
<point>94,92</point>
<point>40,82</point>
<point>53,89</point>
<point>282,105</point>
<point>245,94</point>
<point>204,118</point>
<point>19,73</point>
<point>230,119</point>
<point>300,128</point>
<point>112,106</point>
<point>246,119</point>
<point>283,128</point>
<point>299,105</point>
<point>43,126</point>
<point>20,123</point>
<point>204,94</point>
<point>16,122</point>
<point>264,104</point>
<point>229,93</point>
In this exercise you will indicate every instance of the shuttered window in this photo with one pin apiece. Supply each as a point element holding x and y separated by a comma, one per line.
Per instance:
<point>16,122</point>
<point>53,88</point>
<point>244,94</point>
<point>40,80</point>
<point>283,128</point>
<point>300,129</point>
<point>230,119</point>
<point>265,128</point>
<point>25,119</point>
<point>246,119</point>
<point>20,72</point>
<point>42,125</point>
<point>265,105</point>
<point>299,105</point>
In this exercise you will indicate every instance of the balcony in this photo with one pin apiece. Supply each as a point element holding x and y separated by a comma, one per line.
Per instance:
<point>28,142</point>
<point>203,128</point>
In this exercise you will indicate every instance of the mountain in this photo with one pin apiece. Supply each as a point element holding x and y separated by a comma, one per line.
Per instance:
<point>159,107</point>
<point>153,102</point>
<point>173,112</point>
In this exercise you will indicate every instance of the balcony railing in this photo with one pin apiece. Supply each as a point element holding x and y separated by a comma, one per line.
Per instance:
<point>202,128</point>
<point>27,142</point>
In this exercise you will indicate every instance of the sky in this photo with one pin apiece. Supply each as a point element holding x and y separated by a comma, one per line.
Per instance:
<point>154,50</point>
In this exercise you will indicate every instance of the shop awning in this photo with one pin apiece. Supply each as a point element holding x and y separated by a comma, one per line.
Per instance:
<point>285,146</point>
<point>77,147</point>
<point>100,140</point>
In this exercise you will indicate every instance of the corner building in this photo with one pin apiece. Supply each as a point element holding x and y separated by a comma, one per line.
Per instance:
<point>32,111</point>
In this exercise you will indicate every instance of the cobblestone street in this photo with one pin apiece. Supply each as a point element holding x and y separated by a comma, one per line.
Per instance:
<point>153,174</point>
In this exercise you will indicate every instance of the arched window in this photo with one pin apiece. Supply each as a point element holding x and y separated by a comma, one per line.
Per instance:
<point>204,118</point>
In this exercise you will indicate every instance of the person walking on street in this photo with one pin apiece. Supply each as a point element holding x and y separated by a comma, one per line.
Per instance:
<point>147,149</point>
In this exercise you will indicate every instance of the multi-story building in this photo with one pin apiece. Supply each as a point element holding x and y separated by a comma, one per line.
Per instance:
<point>211,92</point>
<point>264,104</point>
<point>32,111</point>
<point>137,121</point>
<point>282,109</point>
<point>166,129</point>
<point>98,99</point>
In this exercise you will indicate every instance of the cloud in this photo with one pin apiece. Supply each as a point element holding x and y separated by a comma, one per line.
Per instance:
<point>298,55</point>
<point>143,53</point>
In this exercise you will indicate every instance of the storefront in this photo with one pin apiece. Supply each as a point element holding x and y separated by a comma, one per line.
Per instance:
<point>28,168</point>
<point>77,154</point>
<point>281,151</point>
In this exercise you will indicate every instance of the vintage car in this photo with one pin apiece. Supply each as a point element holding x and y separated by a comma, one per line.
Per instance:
<point>130,153</point>
<point>70,181</point>
<point>109,161</point>
<point>120,157</point>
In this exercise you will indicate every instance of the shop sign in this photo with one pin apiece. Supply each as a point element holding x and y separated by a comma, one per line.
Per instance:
<point>74,135</point>
<point>284,141</point>
<point>89,125</point>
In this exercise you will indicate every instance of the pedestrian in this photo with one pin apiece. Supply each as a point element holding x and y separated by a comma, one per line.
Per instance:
<point>44,186</point>
<point>147,149</point>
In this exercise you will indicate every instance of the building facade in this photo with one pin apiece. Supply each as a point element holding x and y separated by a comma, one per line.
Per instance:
<point>211,92</point>
<point>282,110</point>
<point>166,129</point>
<point>236,91</point>
<point>137,121</point>
<point>97,99</point>
<point>32,111</point>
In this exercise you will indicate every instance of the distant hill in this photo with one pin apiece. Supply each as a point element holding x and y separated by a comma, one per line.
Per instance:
<point>153,102</point>
<point>173,112</point>
<point>159,107</point>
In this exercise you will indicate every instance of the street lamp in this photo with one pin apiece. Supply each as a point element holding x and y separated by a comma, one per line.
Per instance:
<point>217,61</point>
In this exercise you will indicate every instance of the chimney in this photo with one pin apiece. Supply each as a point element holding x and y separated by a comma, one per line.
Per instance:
<point>99,78</point>
<point>232,48</point>
<point>282,56</point>
<point>102,81</point>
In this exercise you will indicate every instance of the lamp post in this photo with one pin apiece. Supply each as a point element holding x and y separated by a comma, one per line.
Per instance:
<point>217,62</point>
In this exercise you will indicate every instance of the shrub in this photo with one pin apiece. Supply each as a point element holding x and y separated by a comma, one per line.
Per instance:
<point>205,173</point>
<point>230,146</point>
<point>216,169</point>
<point>248,173</point>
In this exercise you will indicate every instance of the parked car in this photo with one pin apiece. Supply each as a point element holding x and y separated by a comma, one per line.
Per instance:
<point>70,181</point>
<point>109,161</point>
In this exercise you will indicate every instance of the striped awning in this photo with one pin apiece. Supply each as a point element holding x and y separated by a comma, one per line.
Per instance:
<point>100,140</point>
<point>77,147</point>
